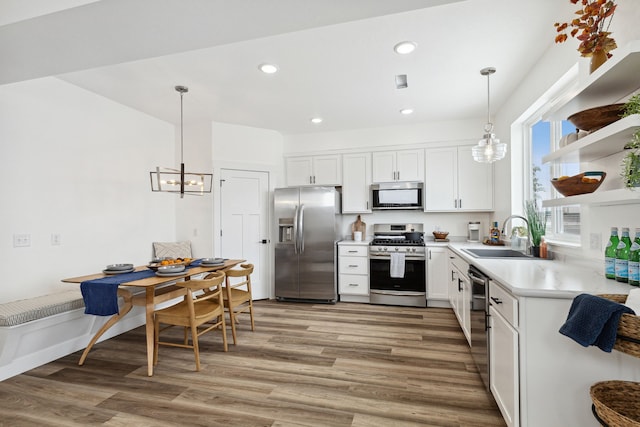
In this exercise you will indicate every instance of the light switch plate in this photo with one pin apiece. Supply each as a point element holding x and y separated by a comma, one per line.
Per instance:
<point>21,240</point>
<point>595,240</point>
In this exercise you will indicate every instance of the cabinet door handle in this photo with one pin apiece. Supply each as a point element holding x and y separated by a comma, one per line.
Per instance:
<point>459,203</point>
<point>353,284</point>
<point>353,252</point>
<point>398,175</point>
<point>459,285</point>
<point>352,266</point>
<point>455,203</point>
<point>496,300</point>
<point>429,253</point>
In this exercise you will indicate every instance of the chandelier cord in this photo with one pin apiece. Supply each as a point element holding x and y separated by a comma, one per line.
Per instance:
<point>181,129</point>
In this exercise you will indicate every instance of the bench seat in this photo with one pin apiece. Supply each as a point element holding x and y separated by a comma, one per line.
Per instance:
<point>26,310</point>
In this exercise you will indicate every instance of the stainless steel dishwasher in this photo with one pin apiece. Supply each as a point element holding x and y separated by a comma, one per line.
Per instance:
<point>480,322</point>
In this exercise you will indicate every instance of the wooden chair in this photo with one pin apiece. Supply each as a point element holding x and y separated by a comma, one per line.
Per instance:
<point>237,295</point>
<point>202,304</point>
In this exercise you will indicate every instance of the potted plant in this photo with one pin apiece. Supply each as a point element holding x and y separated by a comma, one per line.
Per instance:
<point>630,172</point>
<point>591,27</point>
<point>537,225</point>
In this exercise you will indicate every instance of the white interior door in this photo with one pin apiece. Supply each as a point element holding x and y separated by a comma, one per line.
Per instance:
<point>244,221</point>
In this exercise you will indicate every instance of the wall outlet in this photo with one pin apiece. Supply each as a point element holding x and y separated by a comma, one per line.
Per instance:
<point>21,240</point>
<point>595,241</point>
<point>56,239</point>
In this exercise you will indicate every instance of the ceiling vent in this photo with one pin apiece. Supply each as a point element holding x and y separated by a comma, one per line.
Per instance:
<point>401,81</point>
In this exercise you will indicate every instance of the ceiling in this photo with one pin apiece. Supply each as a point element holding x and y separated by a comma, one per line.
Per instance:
<point>335,57</point>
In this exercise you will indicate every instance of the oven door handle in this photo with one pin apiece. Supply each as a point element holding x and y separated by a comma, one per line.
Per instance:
<point>396,293</point>
<point>406,257</point>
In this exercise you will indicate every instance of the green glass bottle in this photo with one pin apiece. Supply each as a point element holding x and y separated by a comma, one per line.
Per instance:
<point>634,260</point>
<point>622,256</point>
<point>610,254</point>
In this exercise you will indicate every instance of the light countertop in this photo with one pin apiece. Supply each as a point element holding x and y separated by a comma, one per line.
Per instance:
<point>544,278</point>
<point>364,242</point>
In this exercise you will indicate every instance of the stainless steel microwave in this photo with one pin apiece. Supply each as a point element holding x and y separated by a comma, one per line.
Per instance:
<point>397,195</point>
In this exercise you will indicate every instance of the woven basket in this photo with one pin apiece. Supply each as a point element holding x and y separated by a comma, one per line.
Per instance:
<point>616,403</point>
<point>628,340</point>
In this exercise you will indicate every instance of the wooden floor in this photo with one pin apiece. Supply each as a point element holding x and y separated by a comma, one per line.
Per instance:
<point>305,365</point>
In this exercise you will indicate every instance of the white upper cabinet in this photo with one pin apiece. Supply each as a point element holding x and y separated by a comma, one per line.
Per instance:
<point>356,182</point>
<point>456,182</point>
<point>402,165</point>
<point>314,170</point>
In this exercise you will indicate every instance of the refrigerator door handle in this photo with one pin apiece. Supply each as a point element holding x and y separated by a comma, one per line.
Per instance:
<point>295,231</point>
<point>301,229</point>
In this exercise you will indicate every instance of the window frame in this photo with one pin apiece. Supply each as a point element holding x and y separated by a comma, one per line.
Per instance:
<point>522,129</point>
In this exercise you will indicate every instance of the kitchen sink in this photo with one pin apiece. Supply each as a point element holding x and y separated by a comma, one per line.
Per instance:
<point>496,253</point>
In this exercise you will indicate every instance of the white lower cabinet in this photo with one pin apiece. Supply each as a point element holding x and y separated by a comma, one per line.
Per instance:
<point>503,354</point>
<point>437,277</point>
<point>460,292</point>
<point>353,271</point>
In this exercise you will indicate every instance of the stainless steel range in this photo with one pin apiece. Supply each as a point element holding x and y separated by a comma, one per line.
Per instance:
<point>397,265</point>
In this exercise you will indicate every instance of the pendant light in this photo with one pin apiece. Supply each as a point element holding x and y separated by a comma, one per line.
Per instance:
<point>178,181</point>
<point>489,148</point>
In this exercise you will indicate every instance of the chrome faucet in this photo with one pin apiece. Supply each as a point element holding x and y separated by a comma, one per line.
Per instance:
<point>504,226</point>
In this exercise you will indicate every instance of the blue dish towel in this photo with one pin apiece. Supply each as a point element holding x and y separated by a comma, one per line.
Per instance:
<point>593,320</point>
<point>101,295</point>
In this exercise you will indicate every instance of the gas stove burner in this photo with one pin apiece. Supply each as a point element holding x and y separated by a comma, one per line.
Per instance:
<point>396,242</point>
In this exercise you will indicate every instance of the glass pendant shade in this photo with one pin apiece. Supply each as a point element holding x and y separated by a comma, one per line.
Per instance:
<point>489,148</point>
<point>178,181</point>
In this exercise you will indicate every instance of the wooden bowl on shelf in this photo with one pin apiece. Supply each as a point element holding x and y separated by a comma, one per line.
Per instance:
<point>598,117</point>
<point>584,183</point>
<point>440,235</point>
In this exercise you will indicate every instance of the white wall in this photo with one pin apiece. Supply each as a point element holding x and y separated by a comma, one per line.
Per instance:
<point>76,164</point>
<point>194,213</point>
<point>437,133</point>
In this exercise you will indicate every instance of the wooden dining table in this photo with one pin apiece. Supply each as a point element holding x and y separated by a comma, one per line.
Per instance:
<point>157,290</point>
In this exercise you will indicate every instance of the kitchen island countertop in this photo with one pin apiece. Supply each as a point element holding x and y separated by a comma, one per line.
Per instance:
<point>544,278</point>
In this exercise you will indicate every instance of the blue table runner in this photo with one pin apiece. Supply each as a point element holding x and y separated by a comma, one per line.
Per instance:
<point>101,295</point>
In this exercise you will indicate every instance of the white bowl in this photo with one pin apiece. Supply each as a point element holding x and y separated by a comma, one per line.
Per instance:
<point>119,267</point>
<point>171,268</point>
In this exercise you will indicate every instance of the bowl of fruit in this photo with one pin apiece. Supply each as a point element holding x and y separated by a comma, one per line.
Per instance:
<point>583,183</point>
<point>164,262</point>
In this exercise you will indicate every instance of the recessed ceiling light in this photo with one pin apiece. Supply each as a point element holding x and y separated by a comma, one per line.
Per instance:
<point>405,47</point>
<point>268,68</point>
<point>406,111</point>
<point>316,120</point>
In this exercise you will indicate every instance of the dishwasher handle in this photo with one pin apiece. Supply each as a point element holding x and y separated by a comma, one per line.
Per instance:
<point>477,277</point>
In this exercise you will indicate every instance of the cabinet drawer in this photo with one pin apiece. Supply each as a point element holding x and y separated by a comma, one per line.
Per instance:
<point>353,250</point>
<point>504,303</point>
<point>353,265</point>
<point>353,284</point>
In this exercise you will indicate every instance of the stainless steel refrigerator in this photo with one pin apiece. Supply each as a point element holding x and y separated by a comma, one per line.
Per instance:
<point>307,222</point>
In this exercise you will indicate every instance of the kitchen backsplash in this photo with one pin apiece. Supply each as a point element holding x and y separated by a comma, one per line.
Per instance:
<point>455,223</point>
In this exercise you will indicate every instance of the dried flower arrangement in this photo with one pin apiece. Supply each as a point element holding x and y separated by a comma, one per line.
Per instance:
<point>590,27</point>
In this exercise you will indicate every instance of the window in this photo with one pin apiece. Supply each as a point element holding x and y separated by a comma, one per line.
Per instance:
<point>563,223</point>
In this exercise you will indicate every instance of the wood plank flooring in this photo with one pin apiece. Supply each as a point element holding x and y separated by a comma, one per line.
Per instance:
<point>305,365</point>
